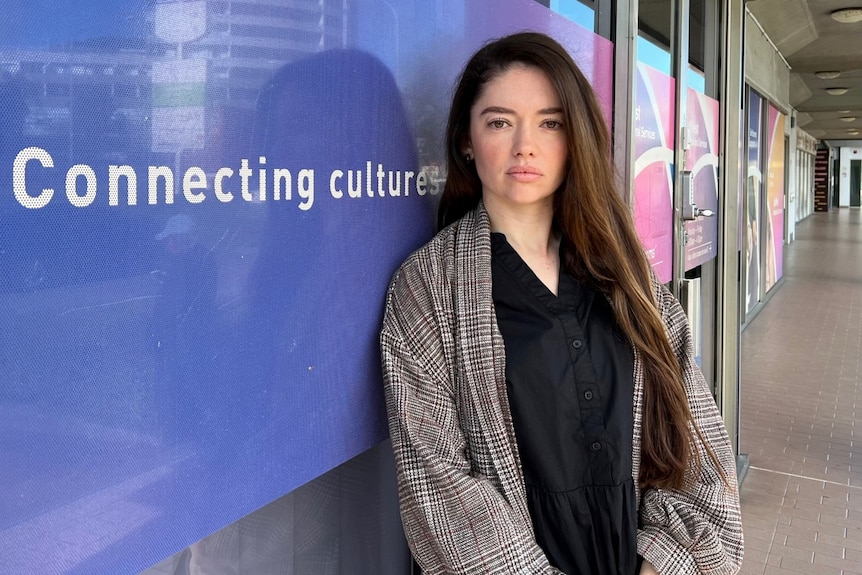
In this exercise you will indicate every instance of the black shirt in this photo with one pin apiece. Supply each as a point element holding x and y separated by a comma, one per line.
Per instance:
<point>569,375</point>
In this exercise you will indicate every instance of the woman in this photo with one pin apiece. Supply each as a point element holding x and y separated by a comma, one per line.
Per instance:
<point>545,409</point>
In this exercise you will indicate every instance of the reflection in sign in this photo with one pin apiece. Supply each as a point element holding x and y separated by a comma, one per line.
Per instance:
<point>179,91</point>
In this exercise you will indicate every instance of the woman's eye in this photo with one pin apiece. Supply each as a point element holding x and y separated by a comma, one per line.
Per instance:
<point>498,124</point>
<point>553,124</point>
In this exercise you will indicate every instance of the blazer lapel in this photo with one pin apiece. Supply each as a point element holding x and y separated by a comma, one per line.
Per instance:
<point>481,351</point>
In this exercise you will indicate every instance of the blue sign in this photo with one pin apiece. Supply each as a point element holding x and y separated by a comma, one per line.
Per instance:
<point>200,211</point>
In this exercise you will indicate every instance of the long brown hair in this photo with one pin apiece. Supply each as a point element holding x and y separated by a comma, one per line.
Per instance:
<point>598,236</point>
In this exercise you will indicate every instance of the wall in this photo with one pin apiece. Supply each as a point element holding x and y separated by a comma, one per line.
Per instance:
<point>765,70</point>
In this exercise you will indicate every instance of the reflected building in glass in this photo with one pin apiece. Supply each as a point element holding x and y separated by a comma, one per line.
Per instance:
<point>245,41</point>
<point>187,56</point>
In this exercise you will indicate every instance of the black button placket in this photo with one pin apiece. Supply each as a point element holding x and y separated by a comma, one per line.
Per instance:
<point>588,392</point>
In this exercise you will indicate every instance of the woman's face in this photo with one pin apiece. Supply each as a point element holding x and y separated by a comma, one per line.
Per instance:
<point>517,139</point>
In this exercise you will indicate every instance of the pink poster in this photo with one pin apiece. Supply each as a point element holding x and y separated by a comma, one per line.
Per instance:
<point>653,174</point>
<point>702,161</point>
<point>775,198</point>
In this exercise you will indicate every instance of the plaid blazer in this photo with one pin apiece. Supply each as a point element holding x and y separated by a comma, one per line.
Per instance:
<point>461,487</point>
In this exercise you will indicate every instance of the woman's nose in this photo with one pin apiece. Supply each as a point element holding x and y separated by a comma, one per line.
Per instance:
<point>524,143</point>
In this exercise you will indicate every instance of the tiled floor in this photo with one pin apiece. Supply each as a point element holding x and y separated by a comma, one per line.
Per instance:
<point>800,392</point>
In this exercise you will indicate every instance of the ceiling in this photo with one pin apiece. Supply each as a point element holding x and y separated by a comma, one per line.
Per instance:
<point>811,41</point>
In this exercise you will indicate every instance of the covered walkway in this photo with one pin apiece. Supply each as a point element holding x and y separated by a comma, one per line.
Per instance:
<point>800,397</point>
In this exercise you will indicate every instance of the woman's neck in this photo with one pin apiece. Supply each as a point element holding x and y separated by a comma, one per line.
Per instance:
<point>529,230</point>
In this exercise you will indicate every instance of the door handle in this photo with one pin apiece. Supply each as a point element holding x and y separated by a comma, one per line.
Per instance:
<point>690,211</point>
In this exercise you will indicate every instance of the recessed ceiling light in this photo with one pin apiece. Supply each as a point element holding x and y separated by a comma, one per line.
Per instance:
<point>836,91</point>
<point>847,15</point>
<point>848,118</point>
<point>827,74</point>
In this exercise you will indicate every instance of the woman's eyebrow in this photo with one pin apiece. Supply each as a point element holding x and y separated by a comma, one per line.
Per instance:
<point>501,110</point>
<point>496,110</point>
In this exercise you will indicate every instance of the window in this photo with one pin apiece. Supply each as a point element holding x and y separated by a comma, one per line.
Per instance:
<point>579,11</point>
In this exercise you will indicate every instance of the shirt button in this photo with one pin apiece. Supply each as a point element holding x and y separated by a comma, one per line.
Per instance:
<point>596,446</point>
<point>577,344</point>
<point>588,395</point>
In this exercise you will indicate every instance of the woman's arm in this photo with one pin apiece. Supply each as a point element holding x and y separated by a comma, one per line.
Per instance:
<point>455,520</point>
<point>696,529</point>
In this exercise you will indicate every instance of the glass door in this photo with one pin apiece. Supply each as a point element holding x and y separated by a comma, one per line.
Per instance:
<point>676,129</point>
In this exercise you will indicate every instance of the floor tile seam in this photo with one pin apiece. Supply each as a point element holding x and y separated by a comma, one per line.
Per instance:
<point>808,478</point>
<point>774,531</point>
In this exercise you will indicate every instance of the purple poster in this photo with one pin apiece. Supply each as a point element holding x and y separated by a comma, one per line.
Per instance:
<point>702,162</point>
<point>654,149</point>
<point>753,193</point>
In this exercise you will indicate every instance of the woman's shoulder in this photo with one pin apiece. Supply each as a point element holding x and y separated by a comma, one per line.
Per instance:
<point>660,292</point>
<point>428,264</point>
<point>437,258</point>
<point>418,290</point>
<point>672,314</point>
<point>426,277</point>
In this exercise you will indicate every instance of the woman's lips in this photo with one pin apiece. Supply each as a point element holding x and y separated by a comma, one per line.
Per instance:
<point>524,174</point>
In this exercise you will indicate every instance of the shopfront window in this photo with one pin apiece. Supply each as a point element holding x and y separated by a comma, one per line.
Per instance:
<point>580,11</point>
<point>654,135</point>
